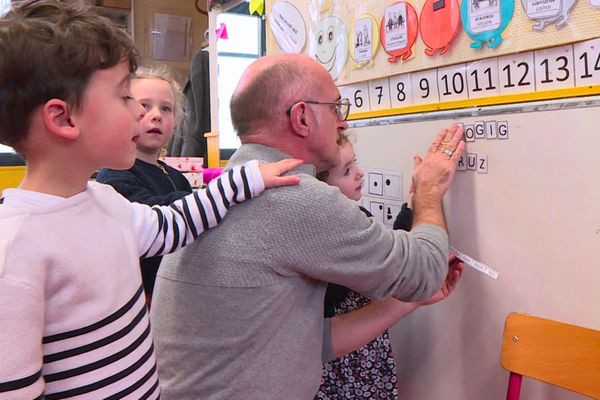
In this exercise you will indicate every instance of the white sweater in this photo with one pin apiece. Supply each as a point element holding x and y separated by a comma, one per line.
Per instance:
<point>73,319</point>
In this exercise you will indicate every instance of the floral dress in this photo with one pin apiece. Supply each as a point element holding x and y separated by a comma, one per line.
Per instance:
<point>370,371</point>
<point>366,373</point>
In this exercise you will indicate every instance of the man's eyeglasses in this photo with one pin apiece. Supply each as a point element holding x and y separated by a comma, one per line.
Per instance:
<point>342,107</point>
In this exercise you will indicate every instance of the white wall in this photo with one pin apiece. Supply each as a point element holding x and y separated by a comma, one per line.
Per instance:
<point>534,218</point>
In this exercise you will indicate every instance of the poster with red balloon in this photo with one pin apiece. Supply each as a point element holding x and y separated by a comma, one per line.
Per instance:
<point>364,40</point>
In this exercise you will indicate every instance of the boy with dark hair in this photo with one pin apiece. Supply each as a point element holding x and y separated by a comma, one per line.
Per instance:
<point>73,320</point>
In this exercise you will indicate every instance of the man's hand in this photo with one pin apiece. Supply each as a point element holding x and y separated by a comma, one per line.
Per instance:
<point>434,173</point>
<point>272,173</point>
<point>455,269</point>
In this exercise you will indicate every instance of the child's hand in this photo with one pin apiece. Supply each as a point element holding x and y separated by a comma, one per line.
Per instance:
<point>455,270</point>
<point>272,172</point>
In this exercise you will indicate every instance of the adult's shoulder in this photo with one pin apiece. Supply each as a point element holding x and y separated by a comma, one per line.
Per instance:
<point>315,201</point>
<point>260,152</point>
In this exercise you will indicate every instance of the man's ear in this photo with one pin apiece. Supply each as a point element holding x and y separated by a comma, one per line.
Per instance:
<point>57,119</point>
<point>299,119</point>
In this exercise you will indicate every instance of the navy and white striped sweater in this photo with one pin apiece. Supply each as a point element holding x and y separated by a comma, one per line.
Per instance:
<point>73,321</point>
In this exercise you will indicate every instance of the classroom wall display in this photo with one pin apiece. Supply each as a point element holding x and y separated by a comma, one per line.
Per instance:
<point>547,12</point>
<point>287,26</point>
<point>399,30</point>
<point>329,44</point>
<point>562,71</point>
<point>364,41</point>
<point>522,211</point>
<point>439,23</point>
<point>450,32</point>
<point>485,20</point>
<point>382,194</point>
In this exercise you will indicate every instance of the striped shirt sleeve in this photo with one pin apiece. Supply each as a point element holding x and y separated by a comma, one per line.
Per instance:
<point>21,326</point>
<point>164,229</point>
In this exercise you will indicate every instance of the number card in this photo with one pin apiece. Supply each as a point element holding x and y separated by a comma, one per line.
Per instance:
<point>425,88</point>
<point>452,82</point>
<point>346,92</point>
<point>554,68</point>
<point>401,91</point>
<point>516,73</point>
<point>482,78</point>
<point>379,94</point>
<point>587,62</point>
<point>358,94</point>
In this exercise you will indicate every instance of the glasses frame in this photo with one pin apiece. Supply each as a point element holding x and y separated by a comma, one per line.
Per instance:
<point>341,116</point>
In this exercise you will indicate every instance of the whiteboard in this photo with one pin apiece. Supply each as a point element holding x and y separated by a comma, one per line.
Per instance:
<point>534,217</point>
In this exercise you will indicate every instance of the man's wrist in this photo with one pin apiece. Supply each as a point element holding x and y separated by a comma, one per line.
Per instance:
<point>428,210</point>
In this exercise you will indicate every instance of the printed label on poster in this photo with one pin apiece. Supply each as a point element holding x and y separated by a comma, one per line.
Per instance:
<point>484,15</point>
<point>543,8</point>
<point>363,35</point>
<point>396,32</point>
<point>287,26</point>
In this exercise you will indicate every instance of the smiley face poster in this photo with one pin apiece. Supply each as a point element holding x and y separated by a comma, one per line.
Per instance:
<point>329,45</point>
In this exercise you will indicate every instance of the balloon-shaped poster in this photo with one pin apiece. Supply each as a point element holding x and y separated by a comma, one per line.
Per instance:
<point>398,30</point>
<point>329,45</point>
<point>548,11</point>
<point>485,20</point>
<point>439,24</point>
<point>287,26</point>
<point>364,37</point>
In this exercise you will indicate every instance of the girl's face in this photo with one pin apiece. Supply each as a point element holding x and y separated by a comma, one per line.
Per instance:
<point>347,175</point>
<point>156,128</point>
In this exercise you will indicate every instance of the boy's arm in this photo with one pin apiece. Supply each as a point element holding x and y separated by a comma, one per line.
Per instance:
<point>164,229</point>
<point>21,328</point>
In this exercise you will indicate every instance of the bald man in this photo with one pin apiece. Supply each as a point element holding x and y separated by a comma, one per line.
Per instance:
<point>239,313</point>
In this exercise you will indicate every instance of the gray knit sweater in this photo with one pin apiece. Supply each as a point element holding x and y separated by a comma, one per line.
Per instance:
<point>238,314</point>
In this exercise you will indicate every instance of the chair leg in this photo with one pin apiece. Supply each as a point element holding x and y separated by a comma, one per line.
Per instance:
<point>514,386</point>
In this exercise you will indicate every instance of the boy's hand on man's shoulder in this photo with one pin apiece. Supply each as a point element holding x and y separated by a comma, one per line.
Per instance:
<point>272,173</point>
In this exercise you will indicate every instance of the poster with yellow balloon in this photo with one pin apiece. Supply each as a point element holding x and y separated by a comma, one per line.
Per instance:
<point>369,39</point>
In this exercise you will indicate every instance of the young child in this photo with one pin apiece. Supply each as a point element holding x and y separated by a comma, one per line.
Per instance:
<point>151,181</point>
<point>73,316</point>
<point>369,372</point>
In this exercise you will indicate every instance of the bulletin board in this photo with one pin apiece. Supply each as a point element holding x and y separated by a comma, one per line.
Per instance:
<point>538,49</point>
<point>295,27</point>
<point>524,204</point>
<point>523,208</point>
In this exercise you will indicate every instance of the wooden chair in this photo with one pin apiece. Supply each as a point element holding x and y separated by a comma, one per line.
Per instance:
<point>564,355</point>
